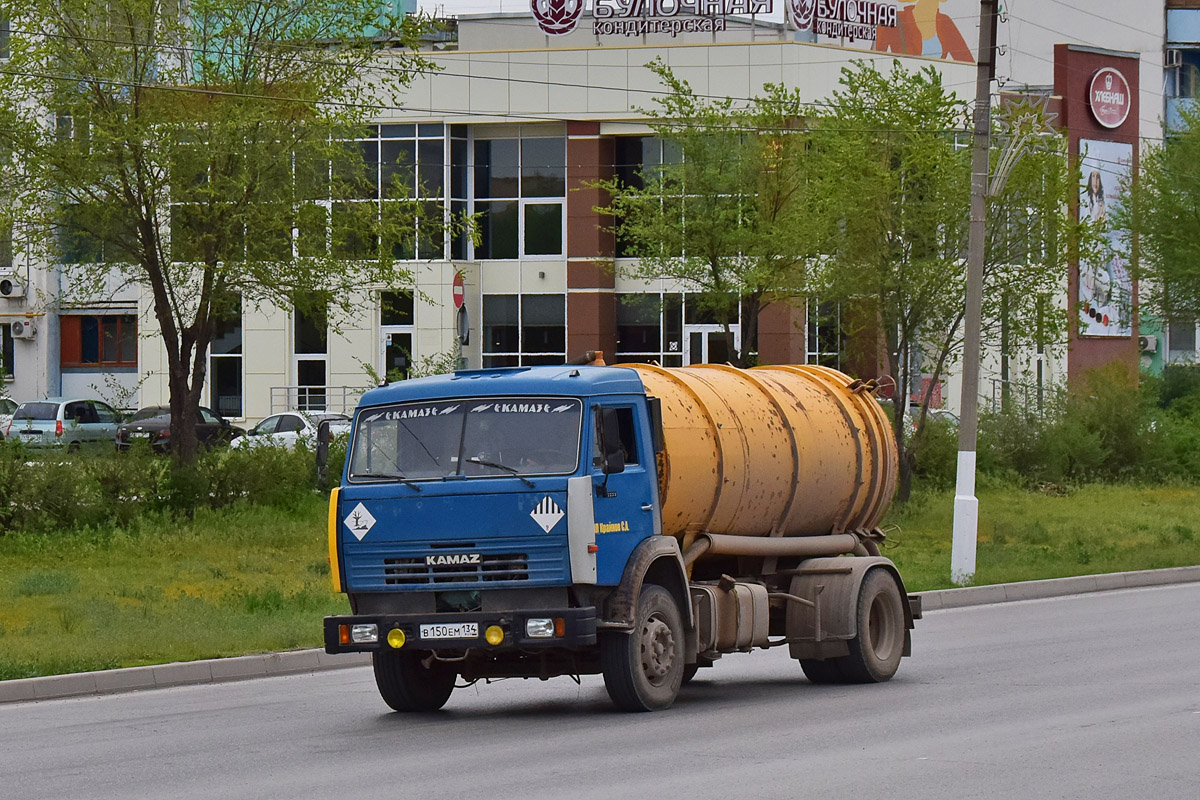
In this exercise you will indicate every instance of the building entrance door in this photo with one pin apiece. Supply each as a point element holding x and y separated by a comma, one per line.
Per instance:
<point>705,344</point>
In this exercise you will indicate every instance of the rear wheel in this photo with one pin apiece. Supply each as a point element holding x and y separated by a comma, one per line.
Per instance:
<point>826,671</point>
<point>407,684</point>
<point>643,670</point>
<point>876,650</point>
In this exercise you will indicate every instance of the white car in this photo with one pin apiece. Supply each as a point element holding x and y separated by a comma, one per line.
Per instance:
<point>7,407</point>
<point>291,428</point>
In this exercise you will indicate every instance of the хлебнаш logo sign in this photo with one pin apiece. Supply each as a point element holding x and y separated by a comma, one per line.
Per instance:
<point>802,13</point>
<point>556,17</point>
<point>1109,98</point>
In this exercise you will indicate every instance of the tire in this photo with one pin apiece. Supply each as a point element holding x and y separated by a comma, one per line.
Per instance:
<point>689,672</point>
<point>643,670</point>
<point>876,650</point>
<point>406,684</point>
<point>822,672</point>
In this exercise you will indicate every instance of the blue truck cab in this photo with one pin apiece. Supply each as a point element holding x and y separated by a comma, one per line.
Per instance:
<point>486,522</point>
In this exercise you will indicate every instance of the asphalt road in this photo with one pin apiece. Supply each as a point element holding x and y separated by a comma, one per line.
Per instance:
<point>1094,696</point>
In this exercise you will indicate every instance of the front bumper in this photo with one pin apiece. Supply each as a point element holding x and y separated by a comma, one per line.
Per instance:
<point>579,630</point>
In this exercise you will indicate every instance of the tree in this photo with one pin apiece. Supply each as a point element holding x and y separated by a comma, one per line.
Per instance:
<point>728,215</point>
<point>898,183</point>
<point>1164,219</point>
<point>204,151</point>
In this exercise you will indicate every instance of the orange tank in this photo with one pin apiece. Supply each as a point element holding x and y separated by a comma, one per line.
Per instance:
<point>770,451</point>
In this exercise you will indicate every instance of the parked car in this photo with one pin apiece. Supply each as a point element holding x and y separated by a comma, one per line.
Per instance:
<point>69,422</point>
<point>153,424</point>
<point>291,428</point>
<point>7,407</point>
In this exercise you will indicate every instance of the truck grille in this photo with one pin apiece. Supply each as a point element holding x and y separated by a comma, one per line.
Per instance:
<point>492,567</point>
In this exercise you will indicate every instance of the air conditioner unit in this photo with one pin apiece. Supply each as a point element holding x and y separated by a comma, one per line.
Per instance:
<point>1172,58</point>
<point>1148,344</point>
<point>11,286</point>
<point>23,329</point>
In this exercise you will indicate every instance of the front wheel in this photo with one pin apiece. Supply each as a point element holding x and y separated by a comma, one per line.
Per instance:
<point>643,670</point>
<point>407,684</point>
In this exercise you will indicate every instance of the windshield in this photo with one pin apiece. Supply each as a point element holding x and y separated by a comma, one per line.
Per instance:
<point>150,412</point>
<point>505,436</point>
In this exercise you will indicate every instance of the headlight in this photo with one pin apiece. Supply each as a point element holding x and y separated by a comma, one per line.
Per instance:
<point>364,634</point>
<point>539,628</point>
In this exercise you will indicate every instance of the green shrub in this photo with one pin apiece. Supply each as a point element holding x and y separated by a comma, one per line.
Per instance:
<point>42,492</point>
<point>935,454</point>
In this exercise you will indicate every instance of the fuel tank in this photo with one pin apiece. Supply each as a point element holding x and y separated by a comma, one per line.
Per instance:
<point>770,451</point>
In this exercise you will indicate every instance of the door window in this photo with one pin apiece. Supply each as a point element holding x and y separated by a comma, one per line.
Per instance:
<point>105,413</point>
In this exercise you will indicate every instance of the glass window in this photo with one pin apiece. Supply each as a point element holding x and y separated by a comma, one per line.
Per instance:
<point>544,323</point>
<point>208,417</point>
<point>501,323</point>
<point>543,229</point>
<point>429,161</point>
<point>38,411</point>
<point>626,431</point>
<point>640,318</point>
<point>397,168</point>
<point>104,412</point>
<point>395,308</point>
<point>350,229</point>
<point>268,425</point>
<point>8,361</point>
<point>493,437</point>
<point>639,327</point>
<point>226,390</point>
<point>498,224</point>
<point>355,171</point>
<point>496,168</point>
<point>825,339</point>
<point>310,333</point>
<point>1181,335</point>
<point>290,423</point>
<point>397,131</point>
<point>543,167</point>
<point>105,340</point>
<point>81,413</point>
<point>458,168</point>
<point>225,364</point>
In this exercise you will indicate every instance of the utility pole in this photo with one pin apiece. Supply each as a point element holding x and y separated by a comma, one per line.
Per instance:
<point>966,505</point>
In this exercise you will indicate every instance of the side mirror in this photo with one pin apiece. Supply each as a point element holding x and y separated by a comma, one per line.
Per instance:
<point>324,436</point>
<point>610,442</point>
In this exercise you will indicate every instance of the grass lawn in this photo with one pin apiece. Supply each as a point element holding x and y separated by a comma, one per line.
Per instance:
<point>1025,536</point>
<point>257,579</point>
<point>239,581</point>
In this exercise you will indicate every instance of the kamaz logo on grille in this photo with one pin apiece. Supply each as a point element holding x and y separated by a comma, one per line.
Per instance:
<point>453,559</point>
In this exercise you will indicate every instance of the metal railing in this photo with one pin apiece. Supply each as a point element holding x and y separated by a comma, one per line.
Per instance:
<point>341,399</point>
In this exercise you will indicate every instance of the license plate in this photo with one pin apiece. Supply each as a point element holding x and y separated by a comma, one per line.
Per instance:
<point>461,630</point>
<point>139,434</point>
<point>32,434</point>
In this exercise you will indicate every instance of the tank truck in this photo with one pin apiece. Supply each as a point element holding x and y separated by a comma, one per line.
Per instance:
<point>636,522</point>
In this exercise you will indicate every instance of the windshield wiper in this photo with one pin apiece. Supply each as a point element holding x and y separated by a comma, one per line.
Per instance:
<point>392,476</point>
<point>485,463</point>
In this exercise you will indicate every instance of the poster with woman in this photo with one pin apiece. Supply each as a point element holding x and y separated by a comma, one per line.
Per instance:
<point>1105,284</point>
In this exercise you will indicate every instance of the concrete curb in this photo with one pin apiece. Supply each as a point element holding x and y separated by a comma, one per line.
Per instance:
<point>215,670</point>
<point>220,670</point>
<point>1054,587</point>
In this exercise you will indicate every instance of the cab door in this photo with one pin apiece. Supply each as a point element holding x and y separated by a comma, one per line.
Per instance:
<point>624,502</point>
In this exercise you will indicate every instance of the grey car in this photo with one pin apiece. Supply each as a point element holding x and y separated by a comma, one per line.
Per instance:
<point>67,422</point>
